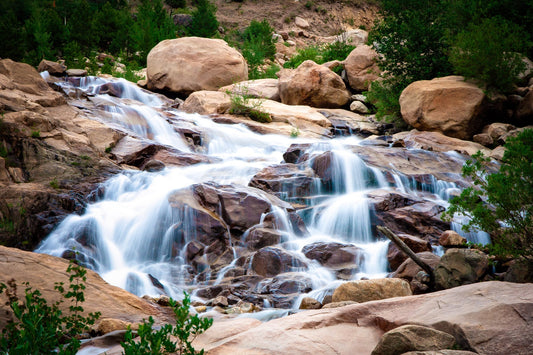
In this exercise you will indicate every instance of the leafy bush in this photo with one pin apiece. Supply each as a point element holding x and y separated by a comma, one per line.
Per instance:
<point>257,46</point>
<point>159,342</point>
<point>243,104</point>
<point>385,95</point>
<point>490,51</point>
<point>332,51</point>
<point>501,203</point>
<point>204,21</point>
<point>40,328</point>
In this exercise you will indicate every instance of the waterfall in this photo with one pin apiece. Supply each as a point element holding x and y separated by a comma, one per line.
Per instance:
<point>137,238</point>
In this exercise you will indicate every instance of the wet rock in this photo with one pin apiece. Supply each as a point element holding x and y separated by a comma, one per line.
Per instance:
<point>334,255</point>
<point>284,284</point>
<point>295,152</point>
<point>370,290</point>
<point>310,303</point>
<point>76,72</point>
<point>290,179</point>
<point>387,200</point>
<point>451,239</point>
<point>189,64</point>
<point>153,165</point>
<point>520,270</point>
<point>262,237</point>
<point>411,338</point>
<point>271,261</point>
<point>395,256</point>
<point>459,267</point>
<point>448,105</point>
<point>220,301</point>
<point>312,84</point>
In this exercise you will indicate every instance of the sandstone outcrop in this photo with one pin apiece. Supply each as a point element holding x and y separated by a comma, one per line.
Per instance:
<point>449,105</point>
<point>189,64</point>
<point>312,84</point>
<point>361,67</point>
<point>491,318</point>
<point>43,271</point>
<point>259,88</point>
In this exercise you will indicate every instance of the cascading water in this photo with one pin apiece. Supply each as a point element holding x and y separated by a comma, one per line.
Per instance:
<point>135,238</point>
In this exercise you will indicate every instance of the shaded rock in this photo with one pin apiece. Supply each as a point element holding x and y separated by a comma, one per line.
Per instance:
<point>396,257</point>
<point>451,239</point>
<point>440,352</point>
<point>497,130</point>
<point>262,237</point>
<point>294,152</point>
<point>361,67</point>
<point>53,68</point>
<point>459,267</point>
<point>409,269</point>
<point>370,290</point>
<point>387,200</point>
<point>484,139</point>
<point>271,261</point>
<point>359,107</point>
<point>290,179</point>
<point>524,111</point>
<point>412,337</point>
<point>310,303</point>
<point>189,64</point>
<point>334,255</point>
<point>521,270</point>
<point>312,84</point>
<point>448,105</point>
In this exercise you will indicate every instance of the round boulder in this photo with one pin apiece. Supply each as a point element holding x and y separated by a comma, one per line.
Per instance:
<point>460,267</point>
<point>361,67</point>
<point>313,85</point>
<point>449,105</point>
<point>412,338</point>
<point>189,64</point>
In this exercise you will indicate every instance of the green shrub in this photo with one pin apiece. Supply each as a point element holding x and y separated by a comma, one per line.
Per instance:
<point>243,104</point>
<point>36,134</point>
<point>385,95</point>
<point>338,50</point>
<point>501,203</point>
<point>176,3</point>
<point>204,21</point>
<point>490,51</point>
<point>307,53</point>
<point>39,328</point>
<point>257,46</point>
<point>333,51</point>
<point>159,342</point>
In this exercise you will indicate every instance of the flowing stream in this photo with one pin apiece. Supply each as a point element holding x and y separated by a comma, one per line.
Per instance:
<point>127,235</point>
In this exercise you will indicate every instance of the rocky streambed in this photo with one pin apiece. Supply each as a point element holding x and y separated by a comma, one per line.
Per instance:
<point>239,214</point>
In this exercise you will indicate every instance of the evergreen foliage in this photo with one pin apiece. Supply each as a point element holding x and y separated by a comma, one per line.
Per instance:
<point>421,40</point>
<point>204,22</point>
<point>257,46</point>
<point>501,203</point>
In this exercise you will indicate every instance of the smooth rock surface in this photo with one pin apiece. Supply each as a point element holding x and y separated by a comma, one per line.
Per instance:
<point>370,290</point>
<point>412,337</point>
<point>361,67</point>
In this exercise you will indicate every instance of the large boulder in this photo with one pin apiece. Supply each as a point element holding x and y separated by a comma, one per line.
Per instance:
<point>44,271</point>
<point>370,290</point>
<point>459,267</point>
<point>449,105</point>
<point>334,255</point>
<point>361,67</point>
<point>411,338</point>
<point>271,261</point>
<point>189,64</point>
<point>489,318</point>
<point>207,102</point>
<point>312,84</point>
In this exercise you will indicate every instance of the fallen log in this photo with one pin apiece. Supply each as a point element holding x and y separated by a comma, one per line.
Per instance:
<point>403,247</point>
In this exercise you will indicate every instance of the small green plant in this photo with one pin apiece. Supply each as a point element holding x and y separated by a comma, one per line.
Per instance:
<point>36,134</point>
<point>40,328</point>
<point>54,184</point>
<point>7,225</point>
<point>243,104</point>
<point>159,342</point>
<point>501,203</point>
<point>309,5</point>
<point>295,132</point>
<point>3,151</point>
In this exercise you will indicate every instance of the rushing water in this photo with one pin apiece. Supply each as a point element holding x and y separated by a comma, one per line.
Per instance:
<point>127,236</point>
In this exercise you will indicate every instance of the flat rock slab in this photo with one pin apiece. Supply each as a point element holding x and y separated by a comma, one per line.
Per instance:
<point>488,318</point>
